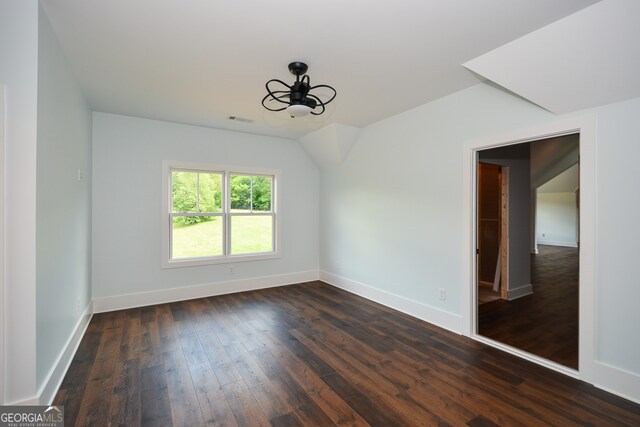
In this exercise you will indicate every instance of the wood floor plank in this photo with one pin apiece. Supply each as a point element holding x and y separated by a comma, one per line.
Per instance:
<point>193,350</point>
<point>213,403</point>
<point>147,314</point>
<point>200,315</point>
<point>324,397</point>
<point>287,420</point>
<point>223,366</point>
<point>82,363</point>
<point>261,387</point>
<point>168,334</point>
<point>71,399</point>
<point>185,409</point>
<point>150,342</point>
<point>96,399</point>
<point>311,355</point>
<point>379,388</point>
<point>96,403</point>
<point>155,408</point>
<point>245,408</point>
<point>130,345</point>
<point>125,399</point>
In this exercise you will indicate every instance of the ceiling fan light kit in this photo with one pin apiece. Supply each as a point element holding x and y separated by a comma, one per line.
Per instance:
<point>296,98</point>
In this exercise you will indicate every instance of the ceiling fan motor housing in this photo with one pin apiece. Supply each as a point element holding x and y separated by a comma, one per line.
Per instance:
<point>298,95</point>
<point>298,68</point>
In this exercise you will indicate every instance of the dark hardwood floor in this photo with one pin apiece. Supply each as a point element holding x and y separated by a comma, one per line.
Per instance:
<point>545,323</point>
<point>310,354</point>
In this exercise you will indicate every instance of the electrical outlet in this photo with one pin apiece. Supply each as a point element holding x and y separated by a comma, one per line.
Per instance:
<point>231,269</point>
<point>80,176</point>
<point>442,292</point>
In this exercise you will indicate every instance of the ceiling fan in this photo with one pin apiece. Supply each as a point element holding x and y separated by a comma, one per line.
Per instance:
<point>297,99</point>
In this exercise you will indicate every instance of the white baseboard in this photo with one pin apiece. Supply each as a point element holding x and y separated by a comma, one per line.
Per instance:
<point>520,291</point>
<point>617,381</point>
<point>142,299</point>
<point>444,319</point>
<point>556,243</point>
<point>50,387</point>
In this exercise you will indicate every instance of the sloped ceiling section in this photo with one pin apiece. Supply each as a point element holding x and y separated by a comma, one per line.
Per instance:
<point>587,59</point>
<point>329,146</point>
<point>567,182</point>
<point>553,156</point>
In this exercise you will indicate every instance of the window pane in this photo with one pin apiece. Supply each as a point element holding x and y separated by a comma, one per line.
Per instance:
<point>262,193</point>
<point>183,191</point>
<point>210,192</point>
<point>196,236</point>
<point>241,193</point>
<point>251,234</point>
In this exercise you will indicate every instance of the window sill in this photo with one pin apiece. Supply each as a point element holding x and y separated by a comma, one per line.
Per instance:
<point>192,262</point>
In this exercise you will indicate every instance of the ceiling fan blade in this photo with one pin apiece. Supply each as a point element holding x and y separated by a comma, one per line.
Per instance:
<point>273,99</point>
<point>273,81</point>
<point>319,103</point>
<point>286,95</point>
<point>328,87</point>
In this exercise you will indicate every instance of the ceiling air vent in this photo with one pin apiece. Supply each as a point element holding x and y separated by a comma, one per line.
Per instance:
<point>240,119</point>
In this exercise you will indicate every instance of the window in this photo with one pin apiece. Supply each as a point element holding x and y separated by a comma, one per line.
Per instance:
<point>217,214</point>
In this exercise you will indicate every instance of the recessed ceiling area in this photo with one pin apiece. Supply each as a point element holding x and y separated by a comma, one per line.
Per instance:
<point>201,61</point>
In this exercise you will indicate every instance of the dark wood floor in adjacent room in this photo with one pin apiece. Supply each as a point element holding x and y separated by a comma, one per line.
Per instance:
<point>545,323</point>
<point>310,354</point>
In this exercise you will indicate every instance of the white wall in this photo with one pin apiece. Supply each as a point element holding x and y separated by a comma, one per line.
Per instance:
<point>618,234</point>
<point>127,166</point>
<point>63,205</point>
<point>557,219</point>
<point>18,71</point>
<point>391,215</point>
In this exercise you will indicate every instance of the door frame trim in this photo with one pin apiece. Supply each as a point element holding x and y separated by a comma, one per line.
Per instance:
<point>503,255</point>
<point>2,243</point>
<point>586,126</point>
<point>504,232</point>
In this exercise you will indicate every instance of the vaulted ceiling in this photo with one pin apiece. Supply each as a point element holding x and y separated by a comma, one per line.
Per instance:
<point>585,60</point>
<point>201,61</point>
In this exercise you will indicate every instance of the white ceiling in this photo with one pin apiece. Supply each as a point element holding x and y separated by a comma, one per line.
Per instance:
<point>200,61</point>
<point>567,182</point>
<point>588,59</point>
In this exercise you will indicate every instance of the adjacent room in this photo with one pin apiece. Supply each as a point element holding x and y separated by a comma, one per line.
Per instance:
<point>244,213</point>
<point>528,256</point>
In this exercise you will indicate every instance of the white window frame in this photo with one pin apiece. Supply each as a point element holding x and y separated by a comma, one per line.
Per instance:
<point>227,171</point>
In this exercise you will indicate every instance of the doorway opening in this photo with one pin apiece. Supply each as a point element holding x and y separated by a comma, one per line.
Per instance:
<point>527,265</point>
<point>493,228</point>
<point>585,126</point>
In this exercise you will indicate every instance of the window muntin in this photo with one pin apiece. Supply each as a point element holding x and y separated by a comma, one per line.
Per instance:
<point>218,215</point>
